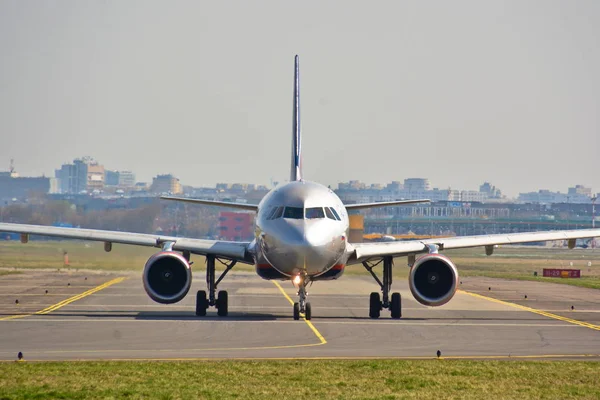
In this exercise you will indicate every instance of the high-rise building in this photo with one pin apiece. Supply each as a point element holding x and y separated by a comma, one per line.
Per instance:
<point>111,178</point>
<point>83,175</point>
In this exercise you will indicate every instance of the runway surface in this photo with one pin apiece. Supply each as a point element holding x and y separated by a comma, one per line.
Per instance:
<point>100,316</point>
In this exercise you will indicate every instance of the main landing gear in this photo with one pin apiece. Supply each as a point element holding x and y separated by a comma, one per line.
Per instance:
<point>302,306</point>
<point>220,300</point>
<point>376,304</point>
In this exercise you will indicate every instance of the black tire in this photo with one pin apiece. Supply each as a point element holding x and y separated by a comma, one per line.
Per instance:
<point>308,312</point>
<point>222,303</point>
<point>296,311</point>
<point>396,306</point>
<point>201,303</point>
<point>374,305</point>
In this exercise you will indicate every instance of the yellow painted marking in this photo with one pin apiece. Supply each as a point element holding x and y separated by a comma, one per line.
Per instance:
<point>533,310</point>
<point>310,325</point>
<point>63,303</point>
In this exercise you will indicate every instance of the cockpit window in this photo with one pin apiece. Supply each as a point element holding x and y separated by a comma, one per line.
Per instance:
<point>271,212</point>
<point>276,213</point>
<point>335,213</point>
<point>314,213</point>
<point>329,213</point>
<point>293,213</point>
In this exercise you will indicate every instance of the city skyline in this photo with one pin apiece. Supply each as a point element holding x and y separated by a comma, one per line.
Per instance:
<point>86,174</point>
<point>465,92</point>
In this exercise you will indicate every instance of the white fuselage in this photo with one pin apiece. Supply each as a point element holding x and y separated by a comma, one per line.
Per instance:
<point>301,230</point>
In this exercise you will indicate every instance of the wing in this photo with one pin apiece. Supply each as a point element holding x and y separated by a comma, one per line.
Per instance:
<point>233,250</point>
<point>384,204</point>
<point>364,251</point>
<point>242,206</point>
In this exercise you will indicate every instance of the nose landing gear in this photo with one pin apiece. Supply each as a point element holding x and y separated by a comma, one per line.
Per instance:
<point>376,303</point>
<point>302,306</point>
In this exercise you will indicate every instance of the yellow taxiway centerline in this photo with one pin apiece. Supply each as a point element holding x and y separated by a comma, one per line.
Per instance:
<point>310,325</point>
<point>63,303</point>
<point>533,310</point>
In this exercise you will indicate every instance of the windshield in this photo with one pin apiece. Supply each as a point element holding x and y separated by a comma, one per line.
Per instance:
<point>277,212</point>
<point>329,213</point>
<point>335,213</point>
<point>314,212</point>
<point>293,213</point>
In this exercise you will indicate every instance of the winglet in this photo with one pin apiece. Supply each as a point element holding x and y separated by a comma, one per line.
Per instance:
<point>296,168</point>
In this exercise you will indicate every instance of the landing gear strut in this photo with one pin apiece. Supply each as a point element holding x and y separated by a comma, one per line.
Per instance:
<point>376,303</point>
<point>302,306</point>
<point>220,300</point>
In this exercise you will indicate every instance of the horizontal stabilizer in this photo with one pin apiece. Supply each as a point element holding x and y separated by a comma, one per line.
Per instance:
<point>384,204</point>
<point>241,206</point>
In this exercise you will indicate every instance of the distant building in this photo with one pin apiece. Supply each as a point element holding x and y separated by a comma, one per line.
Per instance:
<point>576,195</point>
<point>83,175</point>
<point>235,225</point>
<point>416,184</point>
<point>473,195</point>
<point>13,186</point>
<point>72,178</point>
<point>126,179</point>
<point>166,184</point>
<point>580,190</point>
<point>95,176</point>
<point>351,185</point>
<point>111,178</point>
<point>394,185</point>
<point>492,191</point>
<point>141,187</point>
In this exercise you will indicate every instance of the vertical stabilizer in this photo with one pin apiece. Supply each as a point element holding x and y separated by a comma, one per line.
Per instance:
<point>296,171</point>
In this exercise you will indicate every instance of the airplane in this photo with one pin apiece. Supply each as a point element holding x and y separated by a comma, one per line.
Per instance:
<point>301,235</point>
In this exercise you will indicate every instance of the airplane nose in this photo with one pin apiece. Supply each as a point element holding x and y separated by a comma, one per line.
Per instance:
<point>303,248</point>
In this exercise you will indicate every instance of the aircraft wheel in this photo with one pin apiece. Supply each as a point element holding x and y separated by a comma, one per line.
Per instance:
<point>201,303</point>
<point>374,305</point>
<point>222,300</point>
<point>296,311</point>
<point>396,306</point>
<point>307,311</point>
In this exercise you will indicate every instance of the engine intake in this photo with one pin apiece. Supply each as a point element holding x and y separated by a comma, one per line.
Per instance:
<point>433,280</point>
<point>167,277</point>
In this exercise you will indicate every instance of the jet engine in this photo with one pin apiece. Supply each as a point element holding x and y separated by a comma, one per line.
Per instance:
<point>167,277</point>
<point>433,280</point>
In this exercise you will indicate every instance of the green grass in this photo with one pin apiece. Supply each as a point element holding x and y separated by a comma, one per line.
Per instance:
<point>373,379</point>
<point>9,272</point>
<point>507,262</point>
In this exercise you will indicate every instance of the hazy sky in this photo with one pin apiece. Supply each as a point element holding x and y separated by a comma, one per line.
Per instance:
<point>456,91</point>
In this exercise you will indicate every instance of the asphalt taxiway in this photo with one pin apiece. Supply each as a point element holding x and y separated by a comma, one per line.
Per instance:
<point>102,316</point>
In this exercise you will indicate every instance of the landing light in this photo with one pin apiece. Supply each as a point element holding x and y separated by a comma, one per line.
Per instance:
<point>297,280</point>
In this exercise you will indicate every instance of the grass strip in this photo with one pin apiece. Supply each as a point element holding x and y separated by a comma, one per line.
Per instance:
<point>346,379</point>
<point>9,272</point>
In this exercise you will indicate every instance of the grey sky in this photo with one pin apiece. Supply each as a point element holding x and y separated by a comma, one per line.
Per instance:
<point>459,92</point>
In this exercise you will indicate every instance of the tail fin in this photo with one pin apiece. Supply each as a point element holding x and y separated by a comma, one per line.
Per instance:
<point>296,171</point>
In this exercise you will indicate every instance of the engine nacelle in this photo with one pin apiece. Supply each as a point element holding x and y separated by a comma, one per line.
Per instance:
<point>433,280</point>
<point>167,277</point>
